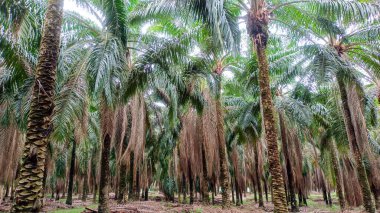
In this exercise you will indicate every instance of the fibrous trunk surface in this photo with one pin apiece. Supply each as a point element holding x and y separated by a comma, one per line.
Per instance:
<point>29,191</point>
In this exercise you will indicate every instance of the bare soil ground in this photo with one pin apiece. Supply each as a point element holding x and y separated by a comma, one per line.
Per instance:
<point>158,205</point>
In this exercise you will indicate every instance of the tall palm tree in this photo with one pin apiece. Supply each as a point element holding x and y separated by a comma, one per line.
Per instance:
<point>341,52</point>
<point>19,43</point>
<point>259,16</point>
<point>257,26</point>
<point>29,189</point>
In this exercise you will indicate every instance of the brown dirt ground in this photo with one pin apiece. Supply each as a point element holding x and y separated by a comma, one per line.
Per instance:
<point>158,205</point>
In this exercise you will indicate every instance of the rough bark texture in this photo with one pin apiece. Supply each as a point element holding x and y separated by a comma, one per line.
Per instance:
<point>69,199</point>
<point>104,176</point>
<point>360,169</point>
<point>29,191</point>
<point>224,182</point>
<point>279,198</point>
<point>257,28</point>
<point>44,178</point>
<point>338,174</point>
<point>288,165</point>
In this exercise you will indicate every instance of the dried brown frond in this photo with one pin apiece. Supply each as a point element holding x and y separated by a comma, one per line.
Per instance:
<point>189,147</point>
<point>136,144</point>
<point>11,143</point>
<point>352,190</point>
<point>357,118</point>
<point>106,120</point>
<point>209,126</point>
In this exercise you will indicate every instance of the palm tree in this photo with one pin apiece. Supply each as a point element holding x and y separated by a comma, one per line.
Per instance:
<point>18,54</point>
<point>257,26</point>
<point>340,55</point>
<point>259,16</point>
<point>29,189</point>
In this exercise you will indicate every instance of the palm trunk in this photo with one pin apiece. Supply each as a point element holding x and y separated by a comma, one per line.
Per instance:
<point>212,194</point>
<point>94,200</point>
<point>232,191</point>
<point>95,185</point>
<point>104,176</point>
<point>324,193</point>
<point>184,188</point>
<point>361,172</point>
<point>29,191</point>
<point>376,194</point>
<point>278,190</point>
<point>241,197</point>
<point>289,171</point>
<point>7,189</point>
<point>191,184</point>
<point>257,27</point>
<point>44,179</point>
<point>237,189</point>
<point>122,183</point>
<point>254,191</point>
<point>304,199</point>
<point>206,198</point>
<point>130,176</point>
<point>338,175</point>
<point>123,169</point>
<point>56,193</point>
<point>85,186</point>
<point>266,190</point>
<point>69,199</point>
<point>300,198</point>
<point>259,189</point>
<point>329,198</point>
<point>137,187</point>
<point>222,153</point>
<point>146,194</point>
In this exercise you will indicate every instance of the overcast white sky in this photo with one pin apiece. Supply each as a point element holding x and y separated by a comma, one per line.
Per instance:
<point>70,5</point>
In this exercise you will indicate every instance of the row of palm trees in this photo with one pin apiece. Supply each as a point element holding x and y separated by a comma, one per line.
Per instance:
<point>154,105</point>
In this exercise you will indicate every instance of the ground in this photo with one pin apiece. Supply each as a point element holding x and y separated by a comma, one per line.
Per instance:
<point>157,205</point>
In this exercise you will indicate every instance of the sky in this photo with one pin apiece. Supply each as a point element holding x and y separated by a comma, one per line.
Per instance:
<point>70,5</point>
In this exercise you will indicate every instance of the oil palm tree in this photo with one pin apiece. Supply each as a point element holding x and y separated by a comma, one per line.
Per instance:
<point>259,15</point>
<point>29,189</point>
<point>341,57</point>
<point>19,50</point>
<point>71,92</point>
